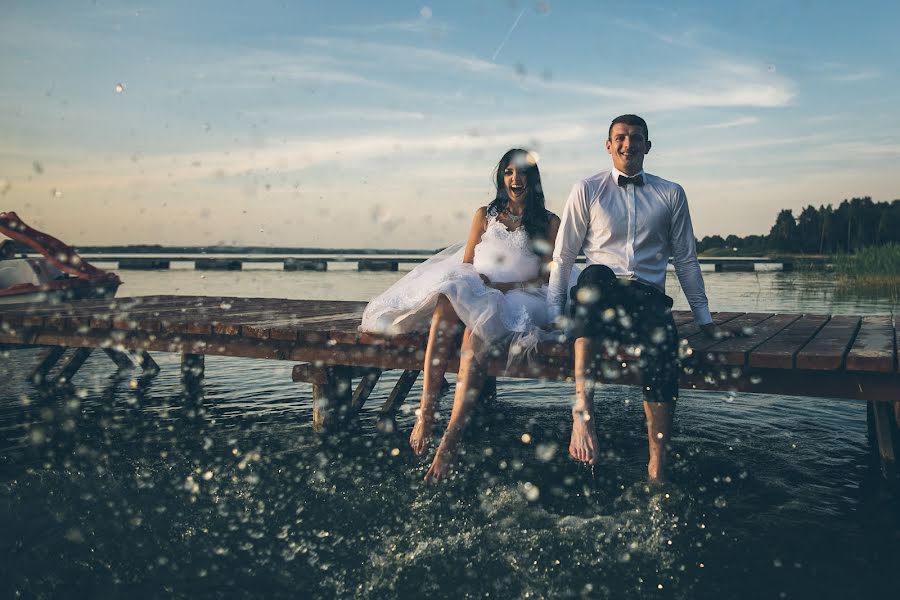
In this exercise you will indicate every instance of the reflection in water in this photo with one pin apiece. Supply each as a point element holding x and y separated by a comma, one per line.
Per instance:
<point>122,486</point>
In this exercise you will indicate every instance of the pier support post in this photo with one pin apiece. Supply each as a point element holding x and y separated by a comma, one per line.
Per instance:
<point>39,375</point>
<point>386,415</point>
<point>147,363</point>
<point>192,368</point>
<point>120,358</point>
<point>332,397</point>
<point>363,390</point>
<point>884,420</point>
<point>72,364</point>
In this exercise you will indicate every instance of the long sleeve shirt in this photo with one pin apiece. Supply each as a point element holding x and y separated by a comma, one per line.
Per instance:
<point>632,230</point>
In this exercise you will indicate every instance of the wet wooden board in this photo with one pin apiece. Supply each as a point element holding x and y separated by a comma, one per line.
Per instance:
<point>741,325</point>
<point>734,351</point>
<point>874,348</point>
<point>780,351</point>
<point>826,351</point>
<point>279,328</point>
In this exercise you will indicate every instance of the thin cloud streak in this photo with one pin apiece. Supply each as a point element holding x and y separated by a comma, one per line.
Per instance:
<point>293,156</point>
<point>739,122</point>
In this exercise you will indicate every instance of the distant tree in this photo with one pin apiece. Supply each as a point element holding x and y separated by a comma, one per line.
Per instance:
<point>784,235</point>
<point>734,241</point>
<point>809,229</point>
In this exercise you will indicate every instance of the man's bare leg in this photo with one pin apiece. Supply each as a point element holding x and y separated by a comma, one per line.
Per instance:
<point>469,382</point>
<point>659,426</point>
<point>583,445</point>
<point>441,337</point>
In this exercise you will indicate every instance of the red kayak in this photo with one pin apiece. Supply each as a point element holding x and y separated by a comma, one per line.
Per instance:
<point>60,275</point>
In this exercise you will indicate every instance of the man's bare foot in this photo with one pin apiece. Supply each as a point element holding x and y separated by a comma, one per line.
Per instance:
<point>420,438</point>
<point>583,445</point>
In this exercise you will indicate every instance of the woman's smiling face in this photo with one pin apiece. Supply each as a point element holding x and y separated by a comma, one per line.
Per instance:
<point>515,181</point>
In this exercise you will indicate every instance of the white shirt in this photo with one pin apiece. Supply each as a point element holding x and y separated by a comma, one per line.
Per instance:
<point>632,230</point>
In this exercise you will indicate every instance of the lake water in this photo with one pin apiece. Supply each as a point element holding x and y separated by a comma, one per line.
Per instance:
<point>122,487</point>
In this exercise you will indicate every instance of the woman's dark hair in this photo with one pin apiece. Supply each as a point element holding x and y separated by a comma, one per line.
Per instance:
<point>535,217</point>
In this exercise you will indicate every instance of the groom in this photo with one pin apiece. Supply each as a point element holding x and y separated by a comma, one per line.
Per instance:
<point>627,223</point>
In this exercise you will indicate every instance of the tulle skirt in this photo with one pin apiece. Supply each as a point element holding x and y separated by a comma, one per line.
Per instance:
<point>498,320</point>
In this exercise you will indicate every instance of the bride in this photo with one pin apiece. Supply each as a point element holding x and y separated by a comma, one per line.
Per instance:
<point>494,285</point>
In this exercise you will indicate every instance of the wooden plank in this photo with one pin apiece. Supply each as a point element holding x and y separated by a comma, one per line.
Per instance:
<point>838,384</point>
<point>874,348</point>
<point>721,319</point>
<point>700,343</point>
<point>734,351</point>
<point>827,350</point>
<point>780,352</point>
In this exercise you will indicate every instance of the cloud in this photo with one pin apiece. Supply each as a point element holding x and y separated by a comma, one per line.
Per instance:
<point>855,76</point>
<point>739,122</point>
<point>296,155</point>
<point>426,26</point>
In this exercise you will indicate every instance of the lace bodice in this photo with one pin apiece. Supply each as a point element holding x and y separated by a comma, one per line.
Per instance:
<point>506,256</point>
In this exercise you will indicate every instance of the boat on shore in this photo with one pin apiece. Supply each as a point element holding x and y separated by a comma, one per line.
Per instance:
<point>58,275</point>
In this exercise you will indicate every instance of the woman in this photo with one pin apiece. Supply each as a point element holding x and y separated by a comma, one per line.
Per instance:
<point>493,285</point>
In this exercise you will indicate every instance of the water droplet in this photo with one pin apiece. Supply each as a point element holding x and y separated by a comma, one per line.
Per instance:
<point>57,193</point>
<point>425,12</point>
<point>530,491</point>
<point>120,87</point>
<point>545,452</point>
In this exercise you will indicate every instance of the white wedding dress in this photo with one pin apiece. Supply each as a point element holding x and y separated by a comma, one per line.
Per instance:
<point>495,318</point>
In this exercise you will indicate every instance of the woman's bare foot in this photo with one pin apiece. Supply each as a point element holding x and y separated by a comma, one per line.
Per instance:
<point>444,461</point>
<point>583,445</point>
<point>420,438</point>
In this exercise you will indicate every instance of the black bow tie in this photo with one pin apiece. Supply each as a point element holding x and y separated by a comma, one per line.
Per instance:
<point>637,180</point>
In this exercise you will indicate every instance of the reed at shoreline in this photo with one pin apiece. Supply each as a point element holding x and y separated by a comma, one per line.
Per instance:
<point>875,266</point>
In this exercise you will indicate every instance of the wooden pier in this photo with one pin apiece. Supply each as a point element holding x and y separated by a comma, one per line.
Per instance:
<point>847,357</point>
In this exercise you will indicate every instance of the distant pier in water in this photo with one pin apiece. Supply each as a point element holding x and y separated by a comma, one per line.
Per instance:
<point>392,262</point>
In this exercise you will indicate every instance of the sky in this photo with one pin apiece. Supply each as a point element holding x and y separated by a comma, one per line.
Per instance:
<point>378,124</point>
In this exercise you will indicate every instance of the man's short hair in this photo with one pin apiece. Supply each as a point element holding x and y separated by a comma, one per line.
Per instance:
<point>633,120</point>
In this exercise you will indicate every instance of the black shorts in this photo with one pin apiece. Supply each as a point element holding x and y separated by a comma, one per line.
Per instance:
<point>619,312</point>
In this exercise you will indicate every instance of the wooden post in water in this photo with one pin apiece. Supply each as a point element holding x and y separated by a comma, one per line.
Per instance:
<point>192,368</point>
<point>39,375</point>
<point>884,426</point>
<point>72,365</point>
<point>332,397</point>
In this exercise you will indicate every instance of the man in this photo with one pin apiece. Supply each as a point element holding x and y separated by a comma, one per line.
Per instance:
<point>627,223</point>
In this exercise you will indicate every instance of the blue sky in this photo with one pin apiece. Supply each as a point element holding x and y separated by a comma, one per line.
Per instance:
<point>371,124</point>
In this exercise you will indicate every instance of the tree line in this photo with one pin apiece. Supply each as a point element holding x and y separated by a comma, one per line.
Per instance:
<point>854,224</point>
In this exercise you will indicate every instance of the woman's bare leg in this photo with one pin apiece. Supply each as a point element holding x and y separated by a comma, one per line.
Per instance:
<point>441,337</point>
<point>583,445</point>
<point>468,386</point>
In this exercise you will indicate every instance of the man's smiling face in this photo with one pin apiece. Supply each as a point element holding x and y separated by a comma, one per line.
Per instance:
<point>627,144</point>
